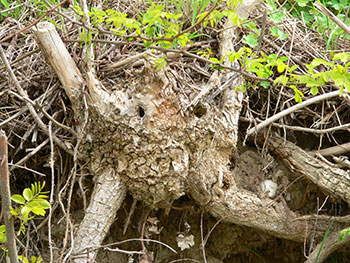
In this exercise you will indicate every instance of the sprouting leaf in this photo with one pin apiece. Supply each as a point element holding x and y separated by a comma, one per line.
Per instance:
<point>276,32</point>
<point>302,3</point>
<point>18,199</point>
<point>265,84</point>
<point>3,238</point>
<point>277,17</point>
<point>343,57</point>
<point>347,85</point>
<point>23,259</point>
<point>251,40</point>
<point>27,194</point>
<point>281,79</point>
<point>297,98</point>
<point>344,232</point>
<point>281,67</point>
<point>40,203</point>
<point>215,60</point>
<point>319,61</point>
<point>25,211</point>
<point>314,91</point>
<point>38,211</point>
<point>160,62</point>
<point>292,68</point>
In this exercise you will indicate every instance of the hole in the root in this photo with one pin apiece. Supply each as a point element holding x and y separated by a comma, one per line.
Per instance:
<point>199,110</point>
<point>141,111</point>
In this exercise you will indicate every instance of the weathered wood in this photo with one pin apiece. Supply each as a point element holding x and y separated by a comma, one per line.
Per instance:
<point>60,60</point>
<point>109,191</point>
<point>332,180</point>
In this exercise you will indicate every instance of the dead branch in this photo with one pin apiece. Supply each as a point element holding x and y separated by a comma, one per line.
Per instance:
<point>291,110</point>
<point>29,105</point>
<point>6,199</point>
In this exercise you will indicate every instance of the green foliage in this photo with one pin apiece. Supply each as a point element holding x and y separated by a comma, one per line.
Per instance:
<point>5,4</point>
<point>31,203</point>
<point>276,32</point>
<point>33,259</point>
<point>3,234</point>
<point>250,40</point>
<point>275,70</point>
<point>158,25</point>
<point>343,233</point>
<point>306,11</point>
<point>21,9</point>
<point>160,63</point>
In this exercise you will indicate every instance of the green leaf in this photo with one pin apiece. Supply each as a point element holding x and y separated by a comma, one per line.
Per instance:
<point>343,57</point>
<point>40,203</point>
<point>281,67</point>
<point>265,84</point>
<point>27,194</point>
<point>292,68</point>
<point>314,91</point>
<point>251,40</point>
<point>281,79</point>
<point>160,62</point>
<point>347,85</point>
<point>232,15</point>
<point>23,259</point>
<point>277,17</point>
<point>41,197</point>
<point>337,77</point>
<point>215,60</point>
<point>344,232</point>
<point>297,98</point>
<point>25,212</point>
<point>276,32</point>
<point>302,3</point>
<point>5,3</point>
<point>319,61</point>
<point>18,199</point>
<point>3,238</point>
<point>38,211</point>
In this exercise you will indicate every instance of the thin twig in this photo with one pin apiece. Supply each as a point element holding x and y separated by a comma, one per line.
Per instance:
<point>292,109</point>
<point>41,108</point>
<point>32,153</point>
<point>52,160</point>
<point>29,105</point>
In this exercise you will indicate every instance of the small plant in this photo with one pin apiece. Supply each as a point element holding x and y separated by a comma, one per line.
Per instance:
<point>343,233</point>
<point>33,259</point>
<point>276,32</point>
<point>305,10</point>
<point>31,203</point>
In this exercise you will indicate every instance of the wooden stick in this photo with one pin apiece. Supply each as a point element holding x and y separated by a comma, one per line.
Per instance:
<point>6,199</point>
